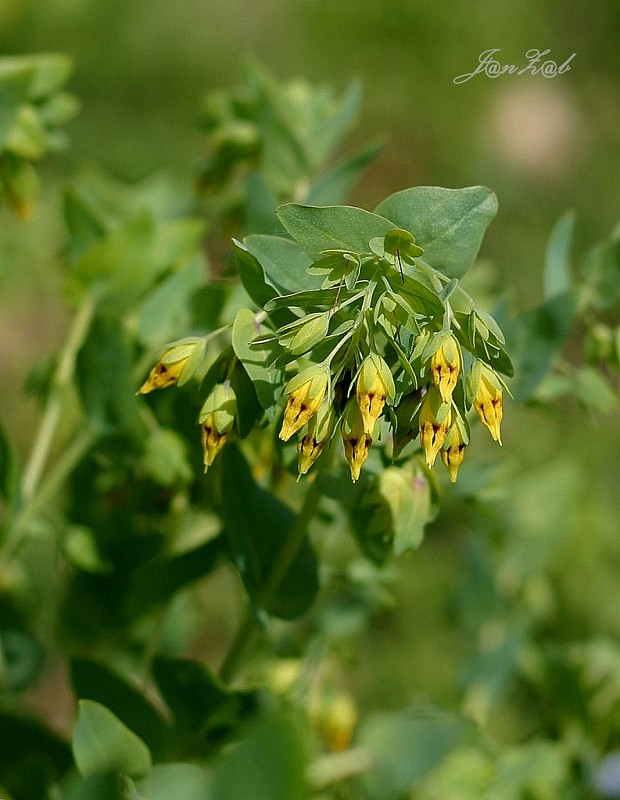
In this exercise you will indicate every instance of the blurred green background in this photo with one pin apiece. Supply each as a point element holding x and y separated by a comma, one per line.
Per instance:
<point>543,145</point>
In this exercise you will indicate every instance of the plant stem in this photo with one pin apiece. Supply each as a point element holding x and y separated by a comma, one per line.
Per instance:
<point>60,384</point>
<point>281,565</point>
<point>36,492</point>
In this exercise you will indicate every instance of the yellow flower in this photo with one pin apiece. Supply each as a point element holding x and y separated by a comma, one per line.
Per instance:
<point>488,402</point>
<point>445,367</point>
<point>217,417</point>
<point>305,394</point>
<point>435,418</point>
<point>453,455</point>
<point>319,432</point>
<point>374,385</point>
<point>212,440</point>
<point>171,366</point>
<point>356,441</point>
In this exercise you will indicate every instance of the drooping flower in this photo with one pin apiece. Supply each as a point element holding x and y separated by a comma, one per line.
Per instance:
<point>375,385</point>
<point>445,367</point>
<point>319,432</point>
<point>217,417</point>
<point>356,441</point>
<point>453,455</point>
<point>488,402</point>
<point>305,394</point>
<point>172,366</point>
<point>435,418</point>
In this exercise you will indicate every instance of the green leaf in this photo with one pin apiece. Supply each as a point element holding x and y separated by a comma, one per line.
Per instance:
<point>50,72</point>
<point>178,781</point>
<point>284,263</point>
<point>535,338</point>
<point>257,528</point>
<point>402,506</point>
<point>335,119</point>
<point>27,138</point>
<point>313,299</point>
<point>166,459</point>
<point>105,379</point>
<point>167,310</point>
<point>202,707</point>
<point>259,209</point>
<point>405,746</point>
<point>15,78</point>
<point>332,228</point>
<point>102,742</point>
<point>421,299</point>
<point>32,757</point>
<point>85,223</point>
<point>334,187</point>
<point>448,223</point>
<point>101,785</point>
<point>257,358</point>
<point>591,389</point>
<point>556,273</point>
<point>601,271</point>
<point>155,581</point>
<point>268,763</point>
<point>490,350</point>
<point>119,265</point>
<point>22,657</point>
<point>94,681</point>
<point>79,546</point>
<point>252,275</point>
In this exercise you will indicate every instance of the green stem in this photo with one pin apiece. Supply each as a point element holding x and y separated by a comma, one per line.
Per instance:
<point>60,384</point>
<point>36,492</point>
<point>281,565</point>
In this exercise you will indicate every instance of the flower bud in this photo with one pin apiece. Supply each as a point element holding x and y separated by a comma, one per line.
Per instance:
<point>217,417</point>
<point>374,385</point>
<point>435,418</point>
<point>171,366</point>
<point>356,441</point>
<point>313,331</point>
<point>305,394</point>
<point>319,432</point>
<point>445,367</point>
<point>488,402</point>
<point>453,455</point>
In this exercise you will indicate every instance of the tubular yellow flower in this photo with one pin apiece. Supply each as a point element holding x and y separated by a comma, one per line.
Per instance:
<point>217,417</point>
<point>171,366</point>
<point>374,386</point>
<point>305,395</point>
<point>356,441</point>
<point>319,432</point>
<point>488,402</point>
<point>453,455</point>
<point>434,425</point>
<point>445,368</point>
<point>212,440</point>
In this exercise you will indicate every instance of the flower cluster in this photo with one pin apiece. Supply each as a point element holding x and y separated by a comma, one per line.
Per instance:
<point>382,348</point>
<point>311,410</point>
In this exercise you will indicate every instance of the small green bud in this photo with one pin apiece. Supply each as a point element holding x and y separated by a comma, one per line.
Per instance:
<point>311,332</point>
